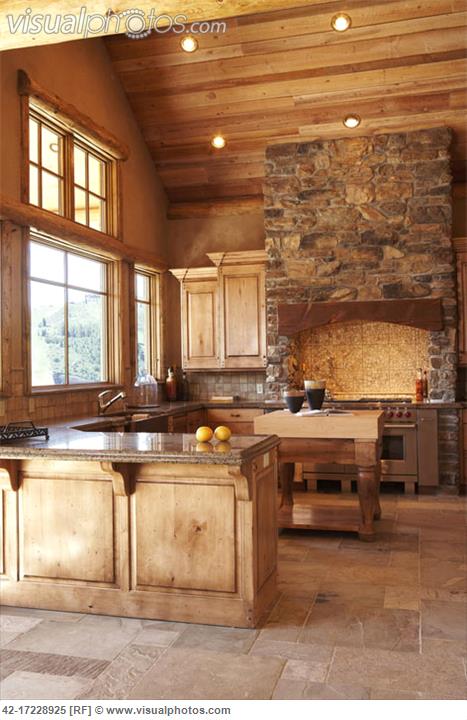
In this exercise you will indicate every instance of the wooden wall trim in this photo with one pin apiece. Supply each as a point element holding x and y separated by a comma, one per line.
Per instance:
<point>72,117</point>
<point>215,208</point>
<point>65,229</point>
<point>460,244</point>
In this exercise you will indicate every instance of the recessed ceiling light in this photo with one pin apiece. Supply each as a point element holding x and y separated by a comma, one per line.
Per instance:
<point>352,121</point>
<point>218,141</point>
<point>188,43</point>
<point>341,22</point>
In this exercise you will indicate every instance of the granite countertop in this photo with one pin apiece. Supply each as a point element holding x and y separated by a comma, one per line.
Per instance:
<point>69,444</point>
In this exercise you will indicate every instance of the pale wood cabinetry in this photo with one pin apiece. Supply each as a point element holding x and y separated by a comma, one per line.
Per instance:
<point>223,312</point>
<point>460,246</point>
<point>239,420</point>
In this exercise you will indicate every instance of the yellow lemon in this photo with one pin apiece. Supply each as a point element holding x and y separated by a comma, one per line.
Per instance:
<point>204,434</point>
<point>222,447</point>
<point>203,447</point>
<point>222,433</point>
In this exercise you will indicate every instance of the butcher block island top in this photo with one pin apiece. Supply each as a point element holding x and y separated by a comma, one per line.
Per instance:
<point>140,525</point>
<point>358,424</point>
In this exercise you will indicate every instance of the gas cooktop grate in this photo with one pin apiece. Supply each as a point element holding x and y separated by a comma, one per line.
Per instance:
<point>24,429</point>
<point>395,400</point>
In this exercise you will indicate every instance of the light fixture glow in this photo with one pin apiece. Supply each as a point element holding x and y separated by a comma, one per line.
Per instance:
<point>189,44</point>
<point>218,142</point>
<point>352,121</point>
<point>341,22</point>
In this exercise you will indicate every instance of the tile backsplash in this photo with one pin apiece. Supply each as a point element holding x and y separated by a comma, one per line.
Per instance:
<point>245,384</point>
<point>360,357</point>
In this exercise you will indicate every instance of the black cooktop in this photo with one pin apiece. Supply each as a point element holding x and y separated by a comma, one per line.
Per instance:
<point>391,401</point>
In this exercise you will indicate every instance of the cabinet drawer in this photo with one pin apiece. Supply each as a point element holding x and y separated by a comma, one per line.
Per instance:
<point>233,415</point>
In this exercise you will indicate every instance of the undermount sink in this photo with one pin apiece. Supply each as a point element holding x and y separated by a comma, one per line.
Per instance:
<point>114,420</point>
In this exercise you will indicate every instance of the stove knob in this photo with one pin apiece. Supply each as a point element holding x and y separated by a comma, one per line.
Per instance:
<point>408,414</point>
<point>389,413</point>
<point>399,413</point>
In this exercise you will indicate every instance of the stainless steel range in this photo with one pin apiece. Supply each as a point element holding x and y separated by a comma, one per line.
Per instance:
<point>410,446</point>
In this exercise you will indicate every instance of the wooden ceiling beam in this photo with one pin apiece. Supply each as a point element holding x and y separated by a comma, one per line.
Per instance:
<point>215,208</point>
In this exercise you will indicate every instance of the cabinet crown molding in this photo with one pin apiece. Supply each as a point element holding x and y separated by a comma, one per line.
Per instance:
<point>240,257</point>
<point>202,273</point>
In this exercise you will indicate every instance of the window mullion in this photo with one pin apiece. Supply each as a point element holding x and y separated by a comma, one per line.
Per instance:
<point>68,177</point>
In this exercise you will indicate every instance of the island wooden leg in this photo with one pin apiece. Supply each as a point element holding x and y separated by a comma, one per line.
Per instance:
<point>377,511</point>
<point>287,471</point>
<point>367,495</point>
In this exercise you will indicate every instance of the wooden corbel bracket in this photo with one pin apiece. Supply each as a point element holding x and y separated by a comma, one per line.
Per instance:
<point>9,474</point>
<point>123,477</point>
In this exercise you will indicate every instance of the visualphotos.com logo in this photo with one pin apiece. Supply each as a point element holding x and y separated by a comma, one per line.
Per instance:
<point>135,23</point>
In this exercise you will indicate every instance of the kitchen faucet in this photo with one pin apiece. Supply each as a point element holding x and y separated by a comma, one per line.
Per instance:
<point>103,406</point>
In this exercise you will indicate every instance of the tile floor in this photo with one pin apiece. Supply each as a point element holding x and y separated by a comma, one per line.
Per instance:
<point>385,620</point>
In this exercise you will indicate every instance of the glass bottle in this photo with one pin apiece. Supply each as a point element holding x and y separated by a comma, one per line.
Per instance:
<point>419,386</point>
<point>171,385</point>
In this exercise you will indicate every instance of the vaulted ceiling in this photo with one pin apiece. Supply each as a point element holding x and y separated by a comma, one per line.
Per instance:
<point>286,76</point>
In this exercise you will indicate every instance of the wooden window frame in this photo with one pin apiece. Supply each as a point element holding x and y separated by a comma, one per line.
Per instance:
<point>155,325</point>
<point>112,330</point>
<point>43,114</point>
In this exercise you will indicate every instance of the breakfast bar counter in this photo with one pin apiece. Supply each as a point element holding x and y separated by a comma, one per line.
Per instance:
<point>140,525</point>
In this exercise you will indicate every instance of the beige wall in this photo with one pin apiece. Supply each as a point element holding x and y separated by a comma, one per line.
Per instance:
<point>188,242</point>
<point>81,73</point>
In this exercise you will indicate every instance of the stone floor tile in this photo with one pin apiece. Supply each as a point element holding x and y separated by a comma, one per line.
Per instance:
<point>445,594</point>
<point>300,690</point>
<point>199,675</point>
<point>397,671</point>
<point>384,694</point>
<point>405,559</point>
<point>355,627</point>
<point>156,636</point>
<point>291,650</point>
<point>6,637</point>
<point>444,620</point>
<point>441,647</point>
<point>50,664</point>
<point>436,549</point>
<point>303,670</point>
<point>40,686</point>
<point>402,598</point>
<point>361,594</point>
<point>377,575</point>
<point>217,639</point>
<point>78,639</point>
<point>122,674</point>
<point>447,575</point>
<point>12,626</point>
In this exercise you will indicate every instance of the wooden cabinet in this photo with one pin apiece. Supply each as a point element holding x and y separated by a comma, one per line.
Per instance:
<point>239,420</point>
<point>463,482</point>
<point>223,312</point>
<point>460,246</point>
<point>200,318</point>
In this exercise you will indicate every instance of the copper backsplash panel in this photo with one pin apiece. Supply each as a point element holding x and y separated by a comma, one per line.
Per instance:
<point>360,358</point>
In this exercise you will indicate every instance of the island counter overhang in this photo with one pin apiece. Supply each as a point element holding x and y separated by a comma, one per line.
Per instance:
<point>140,525</point>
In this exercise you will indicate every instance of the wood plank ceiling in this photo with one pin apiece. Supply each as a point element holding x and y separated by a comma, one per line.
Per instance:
<point>287,76</point>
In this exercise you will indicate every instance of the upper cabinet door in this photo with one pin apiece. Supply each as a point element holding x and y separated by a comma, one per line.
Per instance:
<point>243,316</point>
<point>200,330</point>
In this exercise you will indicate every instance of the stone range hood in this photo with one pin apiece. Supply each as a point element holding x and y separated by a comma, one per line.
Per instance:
<point>361,222</point>
<point>424,314</point>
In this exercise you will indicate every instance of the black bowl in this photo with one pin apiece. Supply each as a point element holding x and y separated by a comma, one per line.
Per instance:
<point>294,402</point>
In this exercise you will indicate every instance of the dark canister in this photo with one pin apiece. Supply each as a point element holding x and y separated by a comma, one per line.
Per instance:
<point>315,390</point>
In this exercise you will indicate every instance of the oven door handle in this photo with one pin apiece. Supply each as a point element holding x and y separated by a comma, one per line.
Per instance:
<point>402,426</point>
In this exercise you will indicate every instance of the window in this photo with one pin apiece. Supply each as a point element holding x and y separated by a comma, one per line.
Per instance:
<point>147,323</point>
<point>68,174</point>
<point>68,316</point>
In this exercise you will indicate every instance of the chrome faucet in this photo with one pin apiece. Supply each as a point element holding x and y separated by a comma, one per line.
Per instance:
<point>103,406</point>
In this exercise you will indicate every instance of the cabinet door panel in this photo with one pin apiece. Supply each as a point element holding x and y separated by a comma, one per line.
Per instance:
<point>243,317</point>
<point>199,323</point>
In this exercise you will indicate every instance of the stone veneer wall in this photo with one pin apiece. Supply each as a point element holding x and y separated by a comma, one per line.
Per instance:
<point>356,219</point>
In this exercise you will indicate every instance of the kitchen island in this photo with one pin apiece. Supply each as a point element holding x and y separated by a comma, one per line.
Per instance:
<point>140,525</point>
<point>346,438</point>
